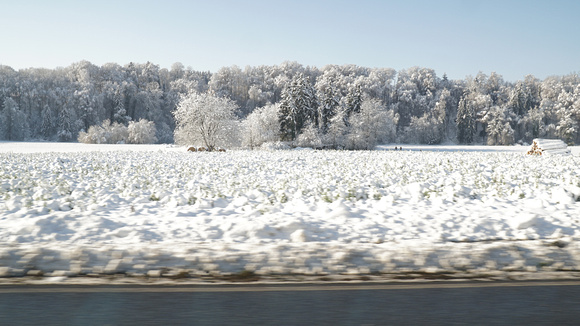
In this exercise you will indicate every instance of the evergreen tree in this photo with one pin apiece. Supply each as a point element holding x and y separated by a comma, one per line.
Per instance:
<point>119,112</point>
<point>297,108</point>
<point>47,128</point>
<point>465,121</point>
<point>444,81</point>
<point>85,106</point>
<point>14,121</point>
<point>6,118</point>
<point>518,100</point>
<point>533,123</point>
<point>498,128</point>
<point>443,109</point>
<point>329,103</point>
<point>353,102</point>
<point>83,95</point>
<point>65,127</point>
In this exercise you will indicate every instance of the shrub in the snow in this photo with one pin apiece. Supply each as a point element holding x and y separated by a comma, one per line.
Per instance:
<point>141,132</point>
<point>95,135</point>
<point>106,133</point>
<point>336,133</point>
<point>118,133</point>
<point>310,137</point>
<point>276,145</point>
<point>373,124</point>
<point>261,126</point>
<point>13,121</point>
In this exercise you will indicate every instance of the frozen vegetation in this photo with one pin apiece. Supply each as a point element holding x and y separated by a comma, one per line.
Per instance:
<point>87,102</point>
<point>157,210</point>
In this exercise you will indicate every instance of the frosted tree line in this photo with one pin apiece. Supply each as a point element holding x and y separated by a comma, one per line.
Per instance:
<point>334,106</point>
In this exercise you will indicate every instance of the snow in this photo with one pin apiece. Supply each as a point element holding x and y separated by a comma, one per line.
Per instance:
<point>69,209</point>
<point>549,147</point>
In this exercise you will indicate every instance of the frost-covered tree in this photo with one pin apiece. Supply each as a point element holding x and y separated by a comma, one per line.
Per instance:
<point>309,137</point>
<point>533,124</point>
<point>329,103</point>
<point>251,130</point>
<point>227,82</point>
<point>86,106</point>
<point>297,108</point>
<point>65,126</point>
<point>371,126</point>
<point>425,79</point>
<point>119,112</point>
<point>465,121</point>
<point>567,128</point>
<point>90,94</point>
<point>444,109</point>
<point>48,122</point>
<point>430,128</point>
<point>257,97</point>
<point>519,99</point>
<point>550,105</point>
<point>118,132</point>
<point>6,118</point>
<point>415,93</point>
<point>425,130</point>
<point>105,133</point>
<point>94,135</point>
<point>498,128</point>
<point>568,114</point>
<point>14,121</point>
<point>337,132</point>
<point>206,120</point>
<point>352,102</point>
<point>141,132</point>
<point>261,126</point>
<point>379,84</point>
<point>496,88</point>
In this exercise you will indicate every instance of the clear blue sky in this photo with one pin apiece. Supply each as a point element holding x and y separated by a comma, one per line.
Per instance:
<point>511,37</point>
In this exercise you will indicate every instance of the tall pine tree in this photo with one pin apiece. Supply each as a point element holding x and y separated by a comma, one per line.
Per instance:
<point>48,122</point>
<point>465,121</point>
<point>119,112</point>
<point>352,102</point>
<point>329,103</point>
<point>14,121</point>
<point>65,127</point>
<point>297,108</point>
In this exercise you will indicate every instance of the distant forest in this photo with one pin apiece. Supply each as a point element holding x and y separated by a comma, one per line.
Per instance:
<point>58,104</point>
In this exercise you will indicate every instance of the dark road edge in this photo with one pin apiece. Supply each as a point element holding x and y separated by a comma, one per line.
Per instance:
<point>176,288</point>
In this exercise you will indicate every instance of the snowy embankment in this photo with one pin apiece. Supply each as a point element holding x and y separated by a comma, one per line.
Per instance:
<point>161,211</point>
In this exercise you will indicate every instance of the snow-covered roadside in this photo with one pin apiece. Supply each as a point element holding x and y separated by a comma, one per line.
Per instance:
<point>158,210</point>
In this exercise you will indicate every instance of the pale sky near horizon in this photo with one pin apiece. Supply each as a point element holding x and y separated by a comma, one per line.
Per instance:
<point>511,37</point>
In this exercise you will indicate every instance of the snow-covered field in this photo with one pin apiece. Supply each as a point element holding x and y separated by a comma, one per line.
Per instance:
<point>158,210</point>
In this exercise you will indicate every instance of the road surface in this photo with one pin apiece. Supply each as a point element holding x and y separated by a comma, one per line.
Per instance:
<point>464,303</point>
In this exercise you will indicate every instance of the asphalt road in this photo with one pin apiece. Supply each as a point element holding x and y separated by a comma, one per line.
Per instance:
<point>466,303</point>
